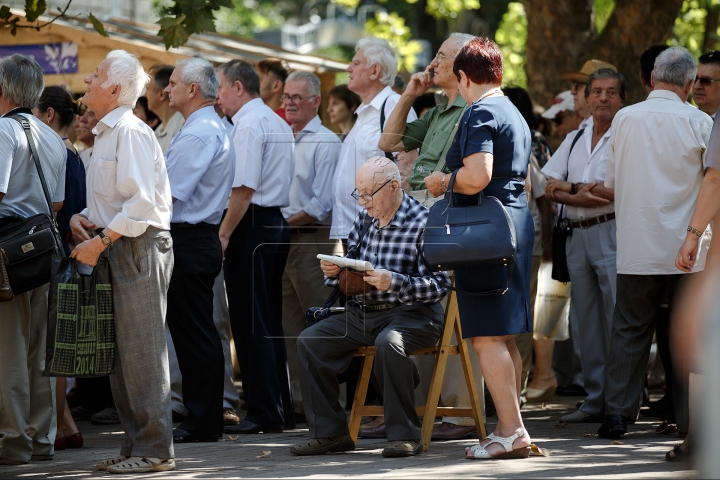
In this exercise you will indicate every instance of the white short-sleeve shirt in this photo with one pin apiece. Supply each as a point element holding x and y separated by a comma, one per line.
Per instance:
<point>656,165</point>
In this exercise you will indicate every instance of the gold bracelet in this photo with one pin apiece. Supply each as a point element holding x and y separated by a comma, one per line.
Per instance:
<point>694,231</point>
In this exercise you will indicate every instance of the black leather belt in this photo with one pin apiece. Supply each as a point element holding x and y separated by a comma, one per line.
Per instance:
<point>589,222</point>
<point>193,225</point>
<point>374,307</point>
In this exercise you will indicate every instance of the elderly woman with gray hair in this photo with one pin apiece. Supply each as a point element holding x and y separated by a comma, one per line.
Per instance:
<point>129,207</point>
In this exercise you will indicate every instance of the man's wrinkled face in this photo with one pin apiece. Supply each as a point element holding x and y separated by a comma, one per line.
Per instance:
<point>154,95</point>
<point>604,100</point>
<point>300,102</point>
<point>359,73</point>
<point>98,97</point>
<point>442,64</point>
<point>707,97</point>
<point>227,98</point>
<point>382,190</point>
<point>178,93</point>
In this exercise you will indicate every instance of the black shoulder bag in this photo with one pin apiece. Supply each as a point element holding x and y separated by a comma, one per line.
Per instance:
<point>458,238</point>
<point>315,314</point>
<point>30,243</point>
<point>562,230</point>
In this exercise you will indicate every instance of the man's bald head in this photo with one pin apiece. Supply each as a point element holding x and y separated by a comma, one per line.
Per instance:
<point>378,183</point>
<point>377,170</point>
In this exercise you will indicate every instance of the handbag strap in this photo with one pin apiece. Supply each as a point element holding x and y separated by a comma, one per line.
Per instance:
<point>572,145</point>
<point>388,155</point>
<point>441,162</point>
<point>33,153</point>
<point>352,253</point>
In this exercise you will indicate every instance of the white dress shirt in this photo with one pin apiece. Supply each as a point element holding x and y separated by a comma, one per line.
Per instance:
<point>85,156</point>
<point>127,183</point>
<point>317,149</point>
<point>656,164</point>
<point>166,133</point>
<point>264,154</point>
<point>360,144</point>
<point>201,166</point>
<point>582,165</point>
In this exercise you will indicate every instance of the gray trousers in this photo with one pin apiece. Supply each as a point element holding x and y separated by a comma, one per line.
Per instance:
<point>302,288</point>
<point>591,260</point>
<point>27,399</point>
<point>326,349</point>
<point>140,268</point>
<point>639,298</point>
<point>221,318</point>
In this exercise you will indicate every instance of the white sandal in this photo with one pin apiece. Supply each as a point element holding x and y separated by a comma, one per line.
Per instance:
<point>478,451</point>
<point>108,463</point>
<point>142,464</point>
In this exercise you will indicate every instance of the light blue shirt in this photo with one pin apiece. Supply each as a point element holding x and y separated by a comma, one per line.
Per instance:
<point>200,164</point>
<point>317,149</point>
<point>263,154</point>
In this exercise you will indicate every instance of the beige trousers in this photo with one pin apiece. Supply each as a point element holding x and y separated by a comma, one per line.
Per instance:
<point>28,415</point>
<point>302,288</point>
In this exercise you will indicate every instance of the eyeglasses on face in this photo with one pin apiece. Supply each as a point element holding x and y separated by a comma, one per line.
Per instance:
<point>442,56</point>
<point>368,197</point>
<point>295,98</point>
<point>705,81</point>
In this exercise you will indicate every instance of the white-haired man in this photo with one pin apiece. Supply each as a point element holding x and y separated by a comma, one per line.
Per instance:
<point>663,141</point>
<point>316,152</point>
<point>372,73</point>
<point>130,207</point>
<point>201,166</point>
<point>433,134</point>
<point>27,399</point>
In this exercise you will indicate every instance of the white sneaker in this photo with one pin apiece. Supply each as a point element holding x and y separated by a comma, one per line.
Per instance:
<point>107,463</point>
<point>142,464</point>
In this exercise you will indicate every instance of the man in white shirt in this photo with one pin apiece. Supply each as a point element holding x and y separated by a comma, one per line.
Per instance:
<point>255,237</point>
<point>130,207</point>
<point>27,399</point>
<point>371,73</point>
<point>159,103</point>
<point>308,214</point>
<point>663,142</point>
<point>575,171</point>
<point>200,165</point>
<point>578,80</point>
<point>706,89</point>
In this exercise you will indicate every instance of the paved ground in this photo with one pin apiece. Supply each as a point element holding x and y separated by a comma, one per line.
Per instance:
<point>573,454</point>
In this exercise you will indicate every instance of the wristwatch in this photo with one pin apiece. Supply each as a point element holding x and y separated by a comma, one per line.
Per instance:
<point>107,241</point>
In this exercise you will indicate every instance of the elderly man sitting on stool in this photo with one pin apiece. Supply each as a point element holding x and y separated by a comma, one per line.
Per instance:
<point>399,316</point>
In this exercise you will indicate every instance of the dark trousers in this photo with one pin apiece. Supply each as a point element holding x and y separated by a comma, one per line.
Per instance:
<point>327,349</point>
<point>634,321</point>
<point>254,264</point>
<point>198,260</point>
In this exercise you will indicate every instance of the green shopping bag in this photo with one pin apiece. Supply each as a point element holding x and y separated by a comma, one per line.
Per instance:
<point>81,328</point>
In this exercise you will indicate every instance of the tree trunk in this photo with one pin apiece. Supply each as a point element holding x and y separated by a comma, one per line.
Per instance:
<point>562,36</point>
<point>712,19</point>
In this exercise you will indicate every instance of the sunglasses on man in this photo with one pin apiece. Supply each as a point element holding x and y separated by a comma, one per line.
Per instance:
<point>705,81</point>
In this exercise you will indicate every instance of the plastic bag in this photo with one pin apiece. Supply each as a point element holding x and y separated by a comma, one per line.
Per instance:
<point>81,327</point>
<point>552,306</point>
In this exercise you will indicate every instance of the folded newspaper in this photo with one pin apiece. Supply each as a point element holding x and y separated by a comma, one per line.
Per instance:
<point>342,262</point>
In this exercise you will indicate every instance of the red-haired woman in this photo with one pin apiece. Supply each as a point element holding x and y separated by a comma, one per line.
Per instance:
<point>491,152</point>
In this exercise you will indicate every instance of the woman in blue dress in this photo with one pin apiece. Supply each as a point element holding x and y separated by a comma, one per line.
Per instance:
<point>491,152</point>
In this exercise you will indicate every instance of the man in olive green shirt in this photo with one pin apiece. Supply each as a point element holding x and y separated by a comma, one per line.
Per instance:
<point>432,134</point>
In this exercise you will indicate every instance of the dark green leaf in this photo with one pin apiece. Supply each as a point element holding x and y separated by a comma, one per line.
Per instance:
<point>173,31</point>
<point>201,22</point>
<point>216,4</point>
<point>34,8</point>
<point>5,12</point>
<point>97,25</point>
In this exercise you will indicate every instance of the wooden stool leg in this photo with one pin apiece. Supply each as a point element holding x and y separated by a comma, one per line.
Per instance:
<point>469,379</point>
<point>360,393</point>
<point>438,373</point>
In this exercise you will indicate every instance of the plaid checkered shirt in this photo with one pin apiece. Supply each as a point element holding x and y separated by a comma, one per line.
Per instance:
<point>394,247</point>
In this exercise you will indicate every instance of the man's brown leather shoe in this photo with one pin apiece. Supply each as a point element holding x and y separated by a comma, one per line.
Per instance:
<point>230,417</point>
<point>450,431</point>
<point>373,429</point>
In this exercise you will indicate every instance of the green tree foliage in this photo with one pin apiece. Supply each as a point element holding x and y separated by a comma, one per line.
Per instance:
<point>511,37</point>
<point>392,28</point>
<point>689,29</point>
<point>248,16</point>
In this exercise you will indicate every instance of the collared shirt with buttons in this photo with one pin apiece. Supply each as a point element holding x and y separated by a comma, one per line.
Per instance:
<point>656,165</point>
<point>583,165</point>
<point>394,247</point>
<point>264,154</point>
<point>127,182</point>
<point>165,133</point>
<point>431,134</point>
<point>360,144</point>
<point>316,152</point>
<point>201,167</point>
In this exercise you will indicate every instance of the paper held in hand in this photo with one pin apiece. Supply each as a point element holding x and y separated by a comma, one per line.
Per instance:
<point>342,262</point>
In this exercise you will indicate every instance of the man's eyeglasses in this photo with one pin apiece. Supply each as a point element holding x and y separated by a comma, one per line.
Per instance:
<point>705,81</point>
<point>442,56</point>
<point>368,197</point>
<point>295,98</point>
